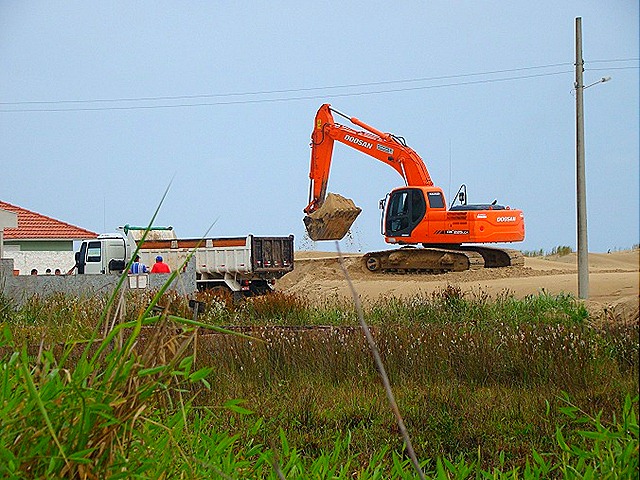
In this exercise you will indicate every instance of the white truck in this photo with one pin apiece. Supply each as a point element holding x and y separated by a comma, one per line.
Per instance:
<point>249,265</point>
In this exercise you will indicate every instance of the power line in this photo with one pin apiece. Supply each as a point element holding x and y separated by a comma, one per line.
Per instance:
<point>308,89</point>
<point>300,90</point>
<point>610,68</point>
<point>614,60</point>
<point>293,90</point>
<point>286,99</point>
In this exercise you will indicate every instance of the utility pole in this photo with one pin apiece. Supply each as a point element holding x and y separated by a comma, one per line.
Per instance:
<point>581,188</point>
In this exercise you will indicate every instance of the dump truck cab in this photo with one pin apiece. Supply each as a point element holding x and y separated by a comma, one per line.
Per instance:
<point>108,253</point>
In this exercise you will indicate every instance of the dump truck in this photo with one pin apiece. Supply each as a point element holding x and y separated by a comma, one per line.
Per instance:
<point>432,237</point>
<point>249,265</point>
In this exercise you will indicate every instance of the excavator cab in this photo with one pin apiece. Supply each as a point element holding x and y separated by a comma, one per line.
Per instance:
<point>405,209</point>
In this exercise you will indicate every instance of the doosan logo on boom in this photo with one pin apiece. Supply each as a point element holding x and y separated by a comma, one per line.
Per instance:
<point>357,141</point>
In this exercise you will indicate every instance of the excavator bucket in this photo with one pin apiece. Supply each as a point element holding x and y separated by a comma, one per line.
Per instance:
<point>333,219</point>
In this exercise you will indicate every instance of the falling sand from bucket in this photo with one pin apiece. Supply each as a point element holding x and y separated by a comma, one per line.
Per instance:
<point>333,219</point>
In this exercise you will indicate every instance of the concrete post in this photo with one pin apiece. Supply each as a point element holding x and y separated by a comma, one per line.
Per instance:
<point>581,188</point>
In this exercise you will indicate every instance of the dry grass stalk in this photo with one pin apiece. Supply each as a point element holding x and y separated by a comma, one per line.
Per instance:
<point>380,366</point>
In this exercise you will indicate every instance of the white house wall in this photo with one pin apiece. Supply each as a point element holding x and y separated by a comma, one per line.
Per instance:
<point>25,261</point>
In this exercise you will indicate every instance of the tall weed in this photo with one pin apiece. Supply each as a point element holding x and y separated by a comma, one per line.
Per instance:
<point>472,376</point>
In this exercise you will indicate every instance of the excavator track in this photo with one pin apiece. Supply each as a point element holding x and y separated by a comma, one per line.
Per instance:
<point>497,257</point>
<point>440,260</point>
<point>422,260</point>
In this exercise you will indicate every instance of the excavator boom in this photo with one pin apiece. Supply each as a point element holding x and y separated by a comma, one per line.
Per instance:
<point>385,147</point>
<point>329,216</point>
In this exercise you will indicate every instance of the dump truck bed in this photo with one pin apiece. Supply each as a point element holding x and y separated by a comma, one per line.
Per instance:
<point>270,256</point>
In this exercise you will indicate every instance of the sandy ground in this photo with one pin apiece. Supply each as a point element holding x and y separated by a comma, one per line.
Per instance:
<point>613,280</point>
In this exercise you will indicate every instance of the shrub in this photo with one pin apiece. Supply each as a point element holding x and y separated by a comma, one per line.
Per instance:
<point>561,250</point>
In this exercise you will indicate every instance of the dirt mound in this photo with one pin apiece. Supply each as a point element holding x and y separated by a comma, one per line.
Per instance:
<point>316,270</point>
<point>614,280</point>
<point>622,260</point>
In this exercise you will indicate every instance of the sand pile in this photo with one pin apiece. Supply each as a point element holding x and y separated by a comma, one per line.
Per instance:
<point>614,280</point>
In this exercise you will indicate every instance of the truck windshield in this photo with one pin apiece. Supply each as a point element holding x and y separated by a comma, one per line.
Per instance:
<point>93,252</point>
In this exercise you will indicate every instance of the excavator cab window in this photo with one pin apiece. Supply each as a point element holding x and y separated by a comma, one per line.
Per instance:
<point>397,218</point>
<point>436,200</point>
<point>405,211</point>
<point>418,207</point>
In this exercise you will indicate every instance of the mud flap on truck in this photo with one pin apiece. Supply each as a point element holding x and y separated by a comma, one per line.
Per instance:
<point>239,288</point>
<point>239,291</point>
<point>226,282</point>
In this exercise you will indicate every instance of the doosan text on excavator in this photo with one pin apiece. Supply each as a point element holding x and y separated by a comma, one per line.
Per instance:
<point>415,214</point>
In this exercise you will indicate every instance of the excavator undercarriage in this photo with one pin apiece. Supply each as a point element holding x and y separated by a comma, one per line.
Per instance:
<point>440,259</point>
<point>336,215</point>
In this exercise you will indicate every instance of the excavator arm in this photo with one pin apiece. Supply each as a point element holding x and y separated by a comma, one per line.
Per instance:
<point>386,147</point>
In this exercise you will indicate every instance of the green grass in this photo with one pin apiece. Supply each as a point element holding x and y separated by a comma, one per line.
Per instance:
<point>488,388</point>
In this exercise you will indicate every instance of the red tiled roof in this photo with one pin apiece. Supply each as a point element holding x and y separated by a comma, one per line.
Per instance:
<point>34,226</point>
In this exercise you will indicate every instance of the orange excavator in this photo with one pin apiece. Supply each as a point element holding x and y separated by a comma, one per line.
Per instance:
<point>414,214</point>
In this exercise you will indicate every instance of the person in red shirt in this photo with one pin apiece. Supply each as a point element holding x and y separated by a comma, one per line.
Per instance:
<point>160,266</point>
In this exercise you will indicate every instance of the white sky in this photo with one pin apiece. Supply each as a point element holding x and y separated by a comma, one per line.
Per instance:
<point>242,160</point>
